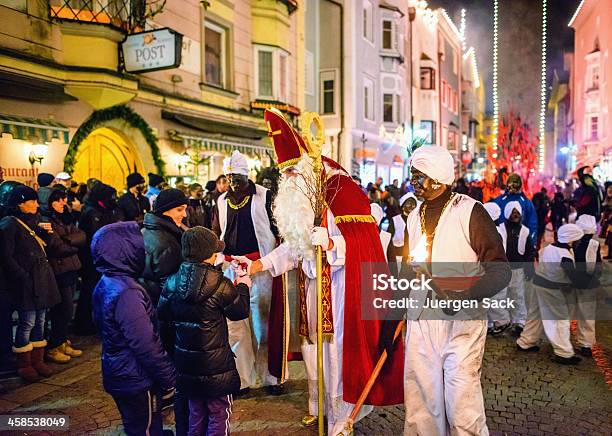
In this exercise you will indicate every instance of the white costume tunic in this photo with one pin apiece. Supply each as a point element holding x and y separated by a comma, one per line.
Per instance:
<point>253,332</point>
<point>443,358</point>
<point>281,260</point>
<point>586,303</point>
<point>549,309</point>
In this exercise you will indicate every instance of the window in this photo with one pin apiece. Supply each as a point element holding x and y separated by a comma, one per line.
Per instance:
<point>282,67</point>
<point>594,77</point>
<point>455,61</point>
<point>368,23</point>
<point>368,99</point>
<point>428,131</point>
<point>428,78</point>
<point>328,92</point>
<point>214,41</point>
<point>452,140</point>
<point>387,35</point>
<point>264,70</point>
<point>398,109</point>
<point>594,126</point>
<point>388,108</point>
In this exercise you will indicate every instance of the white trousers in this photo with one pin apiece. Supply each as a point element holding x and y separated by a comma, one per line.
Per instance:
<point>516,292</point>
<point>442,390</point>
<point>584,314</point>
<point>549,311</point>
<point>249,337</point>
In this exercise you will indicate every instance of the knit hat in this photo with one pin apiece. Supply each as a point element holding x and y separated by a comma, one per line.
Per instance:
<point>210,186</point>
<point>155,179</point>
<point>21,194</point>
<point>135,179</point>
<point>45,179</point>
<point>199,244</point>
<point>56,194</point>
<point>169,199</point>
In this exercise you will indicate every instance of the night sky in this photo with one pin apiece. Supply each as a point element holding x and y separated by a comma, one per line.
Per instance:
<point>519,45</point>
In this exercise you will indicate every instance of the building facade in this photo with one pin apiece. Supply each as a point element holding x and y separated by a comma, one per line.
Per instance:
<point>591,89</point>
<point>66,93</point>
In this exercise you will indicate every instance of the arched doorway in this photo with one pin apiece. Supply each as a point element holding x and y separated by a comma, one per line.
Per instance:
<point>106,155</point>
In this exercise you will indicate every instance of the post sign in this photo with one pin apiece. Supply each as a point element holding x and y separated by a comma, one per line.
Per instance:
<point>158,49</point>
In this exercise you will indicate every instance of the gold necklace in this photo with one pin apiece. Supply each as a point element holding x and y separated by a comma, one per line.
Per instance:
<point>238,206</point>
<point>423,228</point>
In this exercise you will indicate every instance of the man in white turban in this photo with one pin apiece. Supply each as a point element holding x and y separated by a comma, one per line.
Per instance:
<point>520,252</point>
<point>244,222</point>
<point>589,264</point>
<point>442,391</point>
<point>552,296</point>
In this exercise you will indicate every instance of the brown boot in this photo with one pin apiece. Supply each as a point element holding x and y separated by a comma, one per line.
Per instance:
<point>23,356</point>
<point>57,355</point>
<point>70,350</point>
<point>38,363</point>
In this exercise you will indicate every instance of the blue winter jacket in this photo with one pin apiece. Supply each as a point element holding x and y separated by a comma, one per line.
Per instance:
<point>529,217</point>
<point>133,359</point>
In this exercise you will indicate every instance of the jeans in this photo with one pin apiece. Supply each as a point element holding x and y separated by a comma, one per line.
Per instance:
<point>61,315</point>
<point>140,413</point>
<point>31,327</point>
<point>210,416</point>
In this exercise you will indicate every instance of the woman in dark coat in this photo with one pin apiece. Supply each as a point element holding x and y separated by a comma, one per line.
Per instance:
<point>100,209</point>
<point>162,238</point>
<point>32,285</point>
<point>64,259</point>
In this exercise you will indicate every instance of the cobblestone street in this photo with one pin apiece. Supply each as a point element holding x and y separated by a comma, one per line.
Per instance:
<point>524,394</point>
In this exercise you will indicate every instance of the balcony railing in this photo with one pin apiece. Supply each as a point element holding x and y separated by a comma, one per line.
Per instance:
<point>125,15</point>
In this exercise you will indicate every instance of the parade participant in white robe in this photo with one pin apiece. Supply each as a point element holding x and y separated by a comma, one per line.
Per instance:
<point>385,237</point>
<point>244,223</point>
<point>552,298</point>
<point>442,388</point>
<point>349,238</point>
<point>589,265</point>
<point>520,252</point>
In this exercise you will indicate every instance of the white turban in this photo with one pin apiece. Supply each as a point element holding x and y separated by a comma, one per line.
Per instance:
<point>237,164</point>
<point>510,206</point>
<point>493,210</point>
<point>405,197</point>
<point>587,223</point>
<point>377,212</point>
<point>569,233</point>
<point>436,162</point>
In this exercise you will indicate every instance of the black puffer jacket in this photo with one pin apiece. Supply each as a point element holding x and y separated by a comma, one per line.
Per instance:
<point>162,239</point>
<point>196,302</point>
<point>30,278</point>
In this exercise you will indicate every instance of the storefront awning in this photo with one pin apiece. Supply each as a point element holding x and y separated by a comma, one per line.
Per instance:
<point>29,129</point>
<point>221,146</point>
<point>215,127</point>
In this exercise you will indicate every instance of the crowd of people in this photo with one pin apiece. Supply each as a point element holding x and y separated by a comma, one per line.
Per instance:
<point>184,284</point>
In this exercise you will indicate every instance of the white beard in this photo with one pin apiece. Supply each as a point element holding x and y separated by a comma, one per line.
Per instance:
<point>293,211</point>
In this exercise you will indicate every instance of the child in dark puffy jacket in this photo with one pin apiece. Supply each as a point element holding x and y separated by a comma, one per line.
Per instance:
<point>195,303</point>
<point>136,371</point>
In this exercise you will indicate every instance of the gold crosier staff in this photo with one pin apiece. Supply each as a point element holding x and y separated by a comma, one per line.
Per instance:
<point>315,146</point>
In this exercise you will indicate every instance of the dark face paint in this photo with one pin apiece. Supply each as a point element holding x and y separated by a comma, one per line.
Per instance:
<point>422,184</point>
<point>267,183</point>
<point>515,216</point>
<point>409,206</point>
<point>238,182</point>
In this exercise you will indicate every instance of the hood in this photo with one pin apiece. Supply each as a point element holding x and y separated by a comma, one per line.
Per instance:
<point>100,193</point>
<point>193,282</point>
<point>156,222</point>
<point>118,249</point>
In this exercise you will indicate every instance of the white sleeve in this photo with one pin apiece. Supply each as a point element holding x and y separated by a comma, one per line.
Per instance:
<point>337,255</point>
<point>279,261</point>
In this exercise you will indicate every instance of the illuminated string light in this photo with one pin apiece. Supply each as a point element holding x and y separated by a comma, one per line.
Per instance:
<point>475,76</point>
<point>495,95</point>
<point>451,24</point>
<point>542,132</point>
<point>462,30</point>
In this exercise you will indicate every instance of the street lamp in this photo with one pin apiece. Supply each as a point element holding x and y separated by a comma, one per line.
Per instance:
<point>38,151</point>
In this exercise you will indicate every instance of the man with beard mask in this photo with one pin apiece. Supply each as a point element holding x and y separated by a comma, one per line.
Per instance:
<point>133,203</point>
<point>463,253</point>
<point>349,238</point>
<point>514,187</point>
<point>245,224</point>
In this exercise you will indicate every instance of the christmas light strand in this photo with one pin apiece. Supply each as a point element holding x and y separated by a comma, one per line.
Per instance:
<point>462,30</point>
<point>495,96</point>
<point>542,131</point>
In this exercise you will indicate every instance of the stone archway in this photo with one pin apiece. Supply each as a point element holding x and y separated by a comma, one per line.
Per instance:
<point>121,137</point>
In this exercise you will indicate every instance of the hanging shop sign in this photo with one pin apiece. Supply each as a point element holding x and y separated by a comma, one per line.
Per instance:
<point>153,50</point>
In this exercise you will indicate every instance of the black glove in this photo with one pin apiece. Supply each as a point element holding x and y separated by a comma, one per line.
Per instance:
<point>166,398</point>
<point>387,331</point>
